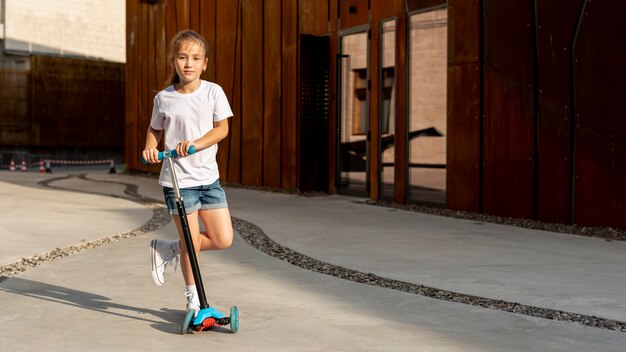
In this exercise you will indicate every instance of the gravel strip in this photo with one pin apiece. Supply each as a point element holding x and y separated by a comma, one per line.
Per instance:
<point>160,218</point>
<point>254,236</point>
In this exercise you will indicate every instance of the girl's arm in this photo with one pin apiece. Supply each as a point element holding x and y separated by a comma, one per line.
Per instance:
<point>150,152</point>
<point>219,132</point>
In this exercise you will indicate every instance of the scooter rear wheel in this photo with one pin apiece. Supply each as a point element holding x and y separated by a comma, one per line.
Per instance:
<point>234,319</point>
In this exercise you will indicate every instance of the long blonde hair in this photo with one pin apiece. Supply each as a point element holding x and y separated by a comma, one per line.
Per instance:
<point>176,43</point>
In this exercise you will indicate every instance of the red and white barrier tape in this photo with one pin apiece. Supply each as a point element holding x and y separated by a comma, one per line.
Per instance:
<point>78,162</point>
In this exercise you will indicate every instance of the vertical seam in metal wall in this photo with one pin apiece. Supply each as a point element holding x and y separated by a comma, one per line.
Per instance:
<point>238,39</point>
<point>282,101</point>
<point>368,98</point>
<point>407,108</point>
<point>297,112</point>
<point>481,110</point>
<point>535,90</point>
<point>155,53</point>
<point>572,151</point>
<point>234,76</point>
<point>262,144</point>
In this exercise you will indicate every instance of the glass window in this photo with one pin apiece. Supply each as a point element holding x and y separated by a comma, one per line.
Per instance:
<point>427,106</point>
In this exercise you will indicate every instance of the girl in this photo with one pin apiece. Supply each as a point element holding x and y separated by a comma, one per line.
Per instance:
<point>190,112</point>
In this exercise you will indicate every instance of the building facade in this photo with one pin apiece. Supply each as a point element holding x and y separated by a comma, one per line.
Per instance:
<point>61,79</point>
<point>508,108</point>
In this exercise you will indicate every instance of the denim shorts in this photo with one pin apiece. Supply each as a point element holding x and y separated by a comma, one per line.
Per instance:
<point>197,198</point>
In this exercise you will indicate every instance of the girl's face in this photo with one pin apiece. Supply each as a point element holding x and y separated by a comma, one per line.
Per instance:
<point>190,61</point>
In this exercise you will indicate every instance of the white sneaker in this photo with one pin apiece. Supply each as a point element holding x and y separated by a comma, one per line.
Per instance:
<point>162,254</point>
<point>192,301</point>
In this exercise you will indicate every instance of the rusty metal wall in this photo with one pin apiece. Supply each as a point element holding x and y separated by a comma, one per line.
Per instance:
<point>536,126</point>
<point>78,103</point>
<point>464,162</point>
<point>252,55</point>
<point>600,115</point>
<point>552,134</point>
<point>15,114</point>
<point>508,126</point>
<point>555,28</point>
<point>62,102</point>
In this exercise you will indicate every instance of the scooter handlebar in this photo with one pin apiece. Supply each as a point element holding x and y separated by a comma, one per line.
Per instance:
<point>172,154</point>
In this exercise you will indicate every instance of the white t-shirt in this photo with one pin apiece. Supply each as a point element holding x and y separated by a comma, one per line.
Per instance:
<point>189,117</point>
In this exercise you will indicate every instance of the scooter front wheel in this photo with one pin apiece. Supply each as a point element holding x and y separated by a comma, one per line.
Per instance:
<point>188,318</point>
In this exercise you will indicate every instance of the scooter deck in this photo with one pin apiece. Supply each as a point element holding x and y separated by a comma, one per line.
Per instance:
<point>208,318</point>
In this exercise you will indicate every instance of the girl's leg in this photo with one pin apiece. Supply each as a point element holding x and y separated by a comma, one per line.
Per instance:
<point>218,235</point>
<point>194,229</point>
<point>219,229</point>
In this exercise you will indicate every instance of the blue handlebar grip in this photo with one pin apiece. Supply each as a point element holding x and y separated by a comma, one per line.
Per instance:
<point>172,153</point>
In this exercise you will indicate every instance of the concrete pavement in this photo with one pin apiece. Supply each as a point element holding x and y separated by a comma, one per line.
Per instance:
<point>103,299</point>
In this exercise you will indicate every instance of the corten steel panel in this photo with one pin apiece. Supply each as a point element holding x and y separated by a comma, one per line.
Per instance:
<point>17,127</point>
<point>463,143</point>
<point>161,69</point>
<point>599,70</point>
<point>208,19</point>
<point>385,9</point>
<point>463,32</point>
<point>555,25</point>
<point>181,10</point>
<point>401,154</point>
<point>149,86</point>
<point>464,115</point>
<point>145,101</point>
<point>195,14</point>
<point>272,94</point>
<point>151,54</point>
<point>599,181</point>
<point>313,18</point>
<point>508,126</point>
<point>333,6</point>
<point>416,5</point>
<point>228,76</point>
<point>171,20</point>
<point>77,102</point>
<point>289,82</point>
<point>600,134</point>
<point>508,148</point>
<point>131,142</point>
<point>353,13</point>
<point>252,93</point>
<point>157,69</point>
<point>379,10</point>
<point>508,39</point>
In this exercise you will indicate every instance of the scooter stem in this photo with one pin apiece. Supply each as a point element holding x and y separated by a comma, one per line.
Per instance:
<point>182,214</point>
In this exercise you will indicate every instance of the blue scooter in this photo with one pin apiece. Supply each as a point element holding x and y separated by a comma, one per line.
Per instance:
<point>207,317</point>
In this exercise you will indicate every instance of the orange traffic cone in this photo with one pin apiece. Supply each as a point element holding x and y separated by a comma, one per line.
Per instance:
<point>41,168</point>
<point>24,169</point>
<point>12,166</point>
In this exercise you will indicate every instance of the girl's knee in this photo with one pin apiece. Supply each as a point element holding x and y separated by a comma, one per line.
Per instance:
<point>224,242</point>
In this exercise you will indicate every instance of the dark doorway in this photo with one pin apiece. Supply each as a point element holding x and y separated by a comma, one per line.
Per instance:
<point>313,113</point>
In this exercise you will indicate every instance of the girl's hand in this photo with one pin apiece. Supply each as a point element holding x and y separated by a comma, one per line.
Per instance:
<point>182,149</point>
<point>151,155</point>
